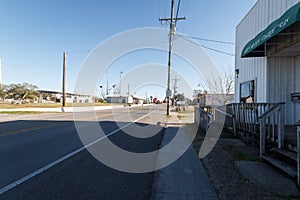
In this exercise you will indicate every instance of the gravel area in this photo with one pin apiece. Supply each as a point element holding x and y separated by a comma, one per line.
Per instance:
<point>222,167</point>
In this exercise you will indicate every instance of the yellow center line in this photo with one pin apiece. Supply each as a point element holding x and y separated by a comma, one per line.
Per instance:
<point>12,132</point>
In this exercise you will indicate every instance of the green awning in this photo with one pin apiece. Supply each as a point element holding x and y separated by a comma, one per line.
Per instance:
<point>257,46</point>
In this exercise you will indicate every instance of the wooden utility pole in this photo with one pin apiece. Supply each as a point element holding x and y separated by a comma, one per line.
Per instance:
<point>106,83</point>
<point>172,32</point>
<point>175,86</point>
<point>0,74</point>
<point>64,81</point>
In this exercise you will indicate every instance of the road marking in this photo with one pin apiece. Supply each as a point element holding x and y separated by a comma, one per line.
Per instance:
<point>12,132</point>
<point>39,171</point>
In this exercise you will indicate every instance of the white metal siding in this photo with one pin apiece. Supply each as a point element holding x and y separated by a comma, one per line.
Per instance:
<point>277,77</point>
<point>283,76</point>
<point>259,17</point>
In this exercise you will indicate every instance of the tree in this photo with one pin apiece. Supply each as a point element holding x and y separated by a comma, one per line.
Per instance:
<point>22,91</point>
<point>180,97</point>
<point>223,86</point>
<point>3,93</point>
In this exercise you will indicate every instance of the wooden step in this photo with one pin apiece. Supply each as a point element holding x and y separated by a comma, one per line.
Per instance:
<point>282,166</point>
<point>285,153</point>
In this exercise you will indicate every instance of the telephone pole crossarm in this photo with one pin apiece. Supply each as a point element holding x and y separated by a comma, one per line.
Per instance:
<point>169,19</point>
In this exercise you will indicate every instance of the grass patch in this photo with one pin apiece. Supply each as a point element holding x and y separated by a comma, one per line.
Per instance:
<point>246,157</point>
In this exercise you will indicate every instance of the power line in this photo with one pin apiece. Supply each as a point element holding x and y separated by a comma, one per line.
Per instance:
<point>208,40</point>
<point>206,47</point>
<point>178,7</point>
<point>219,51</point>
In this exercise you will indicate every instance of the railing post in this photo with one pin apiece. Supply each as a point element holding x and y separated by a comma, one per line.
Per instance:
<point>234,119</point>
<point>280,127</point>
<point>262,138</point>
<point>273,127</point>
<point>298,156</point>
<point>282,107</point>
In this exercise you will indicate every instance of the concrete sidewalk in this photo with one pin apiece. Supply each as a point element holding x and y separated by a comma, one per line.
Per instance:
<point>185,178</point>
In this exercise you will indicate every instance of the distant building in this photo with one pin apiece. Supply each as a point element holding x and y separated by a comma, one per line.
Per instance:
<point>137,100</point>
<point>124,99</point>
<point>215,99</point>
<point>47,96</point>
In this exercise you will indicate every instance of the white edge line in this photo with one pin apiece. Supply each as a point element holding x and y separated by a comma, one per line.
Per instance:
<point>42,169</point>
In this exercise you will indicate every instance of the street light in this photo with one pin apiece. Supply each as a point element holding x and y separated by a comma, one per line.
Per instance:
<point>120,82</point>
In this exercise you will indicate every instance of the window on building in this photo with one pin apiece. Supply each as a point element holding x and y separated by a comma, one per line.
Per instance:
<point>247,92</point>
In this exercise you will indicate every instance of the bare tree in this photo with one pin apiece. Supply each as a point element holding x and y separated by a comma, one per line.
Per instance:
<point>222,87</point>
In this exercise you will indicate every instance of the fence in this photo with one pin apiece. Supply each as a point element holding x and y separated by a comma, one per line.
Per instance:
<point>298,154</point>
<point>202,118</point>
<point>263,119</point>
<point>246,115</point>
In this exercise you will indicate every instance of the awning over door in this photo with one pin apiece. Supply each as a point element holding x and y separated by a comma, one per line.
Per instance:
<point>280,34</point>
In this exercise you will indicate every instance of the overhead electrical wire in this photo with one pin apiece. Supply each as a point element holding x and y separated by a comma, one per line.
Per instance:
<point>216,50</point>
<point>206,39</point>
<point>178,7</point>
<point>206,47</point>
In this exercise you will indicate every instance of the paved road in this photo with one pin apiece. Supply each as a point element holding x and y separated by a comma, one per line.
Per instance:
<point>31,143</point>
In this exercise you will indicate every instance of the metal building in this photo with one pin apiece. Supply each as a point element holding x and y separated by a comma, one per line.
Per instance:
<point>267,63</point>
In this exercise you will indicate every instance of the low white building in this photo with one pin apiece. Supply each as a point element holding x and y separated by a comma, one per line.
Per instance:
<point>53,96</point>
<point>123,99</point>
<point>267,62</point>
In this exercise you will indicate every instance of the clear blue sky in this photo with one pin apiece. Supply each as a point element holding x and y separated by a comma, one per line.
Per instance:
<point>34,33</point>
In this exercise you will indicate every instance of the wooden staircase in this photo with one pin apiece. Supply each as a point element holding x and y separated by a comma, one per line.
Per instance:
<point>283,160</point>
<point>277,142</point>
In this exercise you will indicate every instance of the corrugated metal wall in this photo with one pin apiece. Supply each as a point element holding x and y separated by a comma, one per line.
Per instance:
<point>283,76</point>
<point>259,17</point>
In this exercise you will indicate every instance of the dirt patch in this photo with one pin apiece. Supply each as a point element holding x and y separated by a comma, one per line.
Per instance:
<point>220,166</point>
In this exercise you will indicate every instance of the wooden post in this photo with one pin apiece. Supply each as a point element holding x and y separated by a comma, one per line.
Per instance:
<point>298,156</point>
<point>280,127</point>
<point>234,119</point>
<point>244,117</point>
<point>262,138</point>
<point>64,81</point>
<point>282,107</point>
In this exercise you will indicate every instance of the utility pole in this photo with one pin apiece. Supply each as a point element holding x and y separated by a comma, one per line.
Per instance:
<point>121,83</point>
<point>175,86</point>
<point>64,81</point>
<point>128,89</point>
<point>0,73</point>
<point>106,83</point>
<point>171,34</point>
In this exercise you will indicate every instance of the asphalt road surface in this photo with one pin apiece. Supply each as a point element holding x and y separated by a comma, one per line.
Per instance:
<point>43,157</point>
